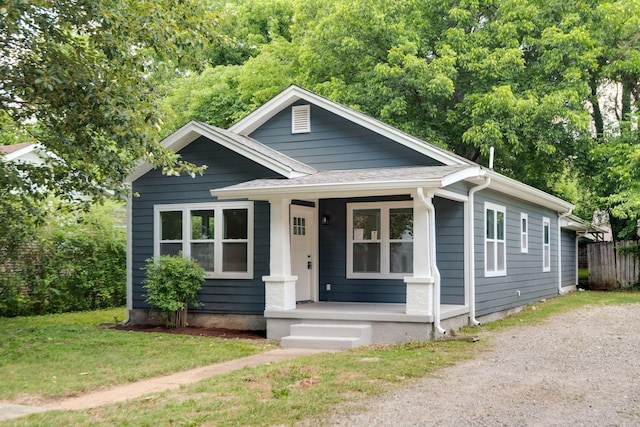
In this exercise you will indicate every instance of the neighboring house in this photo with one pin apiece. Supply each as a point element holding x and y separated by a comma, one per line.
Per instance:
<point>26,152</point>
<point>325,226</point>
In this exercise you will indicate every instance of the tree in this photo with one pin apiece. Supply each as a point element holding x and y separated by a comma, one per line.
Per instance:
<point>76,76</point>
<point>529,78</point>
<point>613,169</point>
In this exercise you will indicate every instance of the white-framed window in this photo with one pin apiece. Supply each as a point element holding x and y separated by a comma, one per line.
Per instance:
<point>379,240</point>
<point>219,236</point>
<point>524,232</point>
<point>546,244</point>
<point>495,247</point>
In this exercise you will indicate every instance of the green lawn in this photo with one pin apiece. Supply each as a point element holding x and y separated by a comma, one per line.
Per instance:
<point>57,356</point>
<point>304,388</point>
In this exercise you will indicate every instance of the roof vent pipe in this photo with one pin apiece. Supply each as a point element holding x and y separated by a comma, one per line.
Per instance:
<point>491,153</point>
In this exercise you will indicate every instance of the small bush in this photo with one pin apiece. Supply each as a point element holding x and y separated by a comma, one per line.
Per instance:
<point>172,283</point>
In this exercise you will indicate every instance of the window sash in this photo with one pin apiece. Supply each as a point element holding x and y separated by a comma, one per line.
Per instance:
<point>546,244</point>
<point>217,235</point>
<point>524,233</point>
<point>379,240</point>
<point>495,240</point>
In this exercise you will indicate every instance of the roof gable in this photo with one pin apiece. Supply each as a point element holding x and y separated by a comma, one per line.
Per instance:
<point>242,145</point>
<point>293,94</point>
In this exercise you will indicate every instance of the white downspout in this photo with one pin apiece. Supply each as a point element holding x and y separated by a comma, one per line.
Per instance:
<point>428,203</point>
<point>129,248</point>
<point>472,254</point>
<point>560,216</point>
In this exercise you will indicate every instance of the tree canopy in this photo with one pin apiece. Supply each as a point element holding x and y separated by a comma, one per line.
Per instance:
<point>77,77</point>
<point>552,85</point>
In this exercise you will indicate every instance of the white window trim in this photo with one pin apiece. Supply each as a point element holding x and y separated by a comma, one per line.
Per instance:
<point>301,119</point>
<point>218,237</point>
<point>524,234</point>
<point>495,208</point>
<point>546,223</point>
<point>383,239</point>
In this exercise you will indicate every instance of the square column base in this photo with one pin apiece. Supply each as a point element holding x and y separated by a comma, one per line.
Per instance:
<point>419,295</point>
<point>280,293</point>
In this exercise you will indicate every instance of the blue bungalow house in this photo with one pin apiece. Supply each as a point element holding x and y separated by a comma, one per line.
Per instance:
<point>326,227</point>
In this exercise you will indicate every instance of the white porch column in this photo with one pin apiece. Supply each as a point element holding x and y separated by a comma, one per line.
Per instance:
<point>280,285</point>
<point>420,286</point>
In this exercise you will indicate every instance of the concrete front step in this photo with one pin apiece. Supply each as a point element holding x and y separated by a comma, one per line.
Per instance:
<point>327,336</point>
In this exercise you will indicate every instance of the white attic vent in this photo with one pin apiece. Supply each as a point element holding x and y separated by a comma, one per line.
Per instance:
<point>301,119</point>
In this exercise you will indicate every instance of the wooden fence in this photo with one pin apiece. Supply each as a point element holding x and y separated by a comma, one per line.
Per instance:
<point>609,269</point>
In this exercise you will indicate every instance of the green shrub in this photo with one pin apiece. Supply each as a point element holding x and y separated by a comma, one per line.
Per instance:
<point>172,283</point>
<point>74,262</point>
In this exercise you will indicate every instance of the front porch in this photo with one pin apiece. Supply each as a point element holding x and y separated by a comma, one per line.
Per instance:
<point>387,322</point>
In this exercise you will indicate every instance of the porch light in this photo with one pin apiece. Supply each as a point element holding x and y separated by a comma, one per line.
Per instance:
<point>325,219</point>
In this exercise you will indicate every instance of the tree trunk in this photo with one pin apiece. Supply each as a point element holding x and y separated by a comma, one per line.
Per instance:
<point>597,113</point>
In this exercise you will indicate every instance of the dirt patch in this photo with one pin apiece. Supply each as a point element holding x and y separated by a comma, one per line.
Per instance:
<point>197,331</point>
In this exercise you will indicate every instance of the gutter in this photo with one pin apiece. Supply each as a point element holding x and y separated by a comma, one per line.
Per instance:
<point>560,217</point>
<point>428,203</point>
<point>471,246</point>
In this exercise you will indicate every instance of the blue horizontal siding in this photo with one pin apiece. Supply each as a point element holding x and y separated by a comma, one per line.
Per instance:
<point>333,261</point>
<point>336,143</point>
<point>524,270</point>
<point>450,250</point>
<point>224,167</point>
<point>333,256</point>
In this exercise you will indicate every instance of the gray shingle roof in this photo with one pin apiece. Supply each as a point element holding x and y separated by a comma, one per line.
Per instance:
<point>354,176</point>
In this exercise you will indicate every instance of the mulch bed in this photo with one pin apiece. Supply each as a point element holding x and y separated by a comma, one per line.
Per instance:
<point>197,331</point>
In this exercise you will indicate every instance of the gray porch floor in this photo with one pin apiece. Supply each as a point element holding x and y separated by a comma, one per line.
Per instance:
<point>363,312</point>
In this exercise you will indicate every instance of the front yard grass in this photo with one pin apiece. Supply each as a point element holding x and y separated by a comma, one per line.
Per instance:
<point>307,388</point>
<point>57,356</point>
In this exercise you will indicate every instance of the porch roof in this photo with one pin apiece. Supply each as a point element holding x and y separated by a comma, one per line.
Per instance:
<point>358,181</point>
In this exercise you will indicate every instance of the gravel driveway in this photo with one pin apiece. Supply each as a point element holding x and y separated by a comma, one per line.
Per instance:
<point>578,369</point>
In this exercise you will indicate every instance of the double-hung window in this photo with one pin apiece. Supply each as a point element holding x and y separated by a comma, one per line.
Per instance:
<point>495,248</point>
<point>546,244</point>
<point>219,236</point>
<point>379,240</point>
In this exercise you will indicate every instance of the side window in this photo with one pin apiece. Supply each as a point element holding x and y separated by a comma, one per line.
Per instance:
<point>495,241</point>
<point>524,233</point>
<point>546,244</point>
<point>219,236</point>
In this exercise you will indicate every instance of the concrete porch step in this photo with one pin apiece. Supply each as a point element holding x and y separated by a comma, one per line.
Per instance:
<point>327,336</point>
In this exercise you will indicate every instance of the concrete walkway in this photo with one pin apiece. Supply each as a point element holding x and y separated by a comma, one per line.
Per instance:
<point>154,385</point>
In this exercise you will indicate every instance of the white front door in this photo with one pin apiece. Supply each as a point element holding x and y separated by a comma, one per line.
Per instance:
<point>302,231</point>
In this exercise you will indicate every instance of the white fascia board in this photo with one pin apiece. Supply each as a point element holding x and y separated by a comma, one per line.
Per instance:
<point>359,189</point>
<point>193,130</point>
<point>574,223</point>
<point>294,93</point>
<point>19,153</point>
<point>472,172</point>
<point>526,192</point>
<point>33,153</point>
